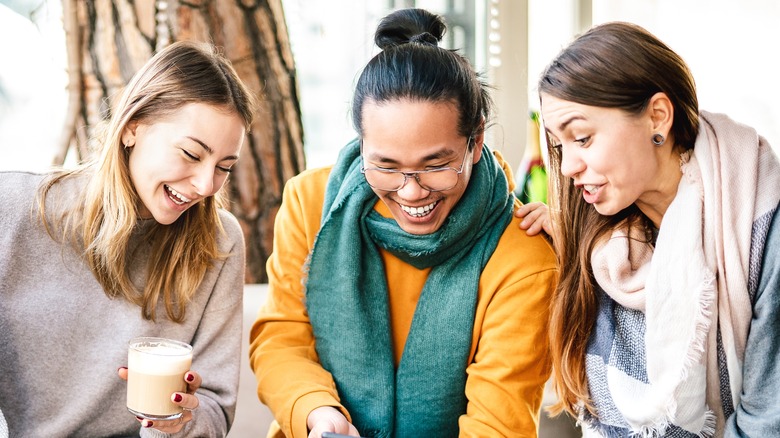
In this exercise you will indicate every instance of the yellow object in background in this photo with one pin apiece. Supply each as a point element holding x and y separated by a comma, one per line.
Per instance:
<point>532,173</point>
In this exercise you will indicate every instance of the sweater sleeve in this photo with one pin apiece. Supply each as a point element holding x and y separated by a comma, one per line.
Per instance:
<point>217,342</point>
<point>512,363</point>
<point>758,413</point>
<point>291,381</point>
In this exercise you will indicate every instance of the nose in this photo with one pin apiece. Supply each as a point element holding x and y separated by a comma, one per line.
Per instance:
<point>571,163</point>
<point>412,189</point>
<point>203,181</point>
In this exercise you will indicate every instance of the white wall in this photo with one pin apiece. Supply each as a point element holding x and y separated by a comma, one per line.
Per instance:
<point>730,46</point>
<point>33,78</point>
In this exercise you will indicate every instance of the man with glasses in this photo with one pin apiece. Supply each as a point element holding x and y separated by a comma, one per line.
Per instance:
<point>404,300</point>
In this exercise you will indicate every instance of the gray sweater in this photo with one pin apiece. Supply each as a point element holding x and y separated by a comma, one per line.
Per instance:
<point>62,339</point>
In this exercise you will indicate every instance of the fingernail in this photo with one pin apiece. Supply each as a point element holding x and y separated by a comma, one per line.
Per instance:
<point>148,423</point>
<point>121,368</point>
<point>177,397</point>
<point>140,418</point>
<point>190,377</point>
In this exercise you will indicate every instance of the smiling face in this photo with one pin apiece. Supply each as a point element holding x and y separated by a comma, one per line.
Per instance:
<point>610,156</point>
<point>408,136</point>
<point>177,161</point>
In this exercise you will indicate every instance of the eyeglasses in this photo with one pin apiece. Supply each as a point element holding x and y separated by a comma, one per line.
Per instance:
<point>432,180</point>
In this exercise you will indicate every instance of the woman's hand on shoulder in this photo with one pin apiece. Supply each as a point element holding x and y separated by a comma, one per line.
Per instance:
<point>187,400</point>
<point>536,217</point>
<point>329,419</point>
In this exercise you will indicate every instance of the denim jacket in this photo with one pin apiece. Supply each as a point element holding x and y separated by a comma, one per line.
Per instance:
<point>758,413</point>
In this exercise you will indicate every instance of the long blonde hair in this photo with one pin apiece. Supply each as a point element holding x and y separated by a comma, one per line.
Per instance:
<point>613,65</point>
<point>102,220</point>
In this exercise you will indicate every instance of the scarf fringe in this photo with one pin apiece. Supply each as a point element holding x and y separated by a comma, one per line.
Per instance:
<point>710,422</point>
<point>656,431</point>
<point>651,431</point>
<point>659,426</point>
<point>702,321</point>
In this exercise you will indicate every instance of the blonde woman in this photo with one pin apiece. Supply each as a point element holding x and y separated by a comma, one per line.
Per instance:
<point>133,243</point>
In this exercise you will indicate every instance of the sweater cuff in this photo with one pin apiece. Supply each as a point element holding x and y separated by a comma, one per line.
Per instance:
<point>304,405</point>
<point>153,433</point>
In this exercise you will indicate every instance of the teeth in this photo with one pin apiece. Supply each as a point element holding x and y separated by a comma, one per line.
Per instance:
<point>419,211</point>
<point>177,197</point>
<point>591,188</point>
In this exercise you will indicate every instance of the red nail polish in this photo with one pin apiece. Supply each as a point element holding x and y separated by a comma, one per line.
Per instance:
<point>140,418</point>
<point>149,423</point>
<point>121,368</point>
<point>177,397</point>
<point>190,377</point>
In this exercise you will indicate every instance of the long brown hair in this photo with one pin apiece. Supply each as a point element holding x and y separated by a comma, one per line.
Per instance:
<point>101,222</point>
<point>614,65</point>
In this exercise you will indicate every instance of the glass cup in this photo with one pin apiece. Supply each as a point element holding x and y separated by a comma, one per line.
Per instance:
<point>156,368</point>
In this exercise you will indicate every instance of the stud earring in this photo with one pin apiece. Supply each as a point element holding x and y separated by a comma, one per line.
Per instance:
<point>658,139</point>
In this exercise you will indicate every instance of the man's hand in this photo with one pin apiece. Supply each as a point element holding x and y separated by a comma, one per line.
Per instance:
<point>329,419</point>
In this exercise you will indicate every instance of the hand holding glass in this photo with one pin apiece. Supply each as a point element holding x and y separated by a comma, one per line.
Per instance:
<point>156,368</point>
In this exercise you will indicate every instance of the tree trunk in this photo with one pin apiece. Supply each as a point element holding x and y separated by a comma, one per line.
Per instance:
<point>108,40</point>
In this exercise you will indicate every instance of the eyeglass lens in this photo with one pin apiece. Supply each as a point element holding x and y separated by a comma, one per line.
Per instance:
<point>433,180</point>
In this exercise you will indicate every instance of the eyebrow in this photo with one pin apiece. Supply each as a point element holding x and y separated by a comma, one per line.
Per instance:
<point>211,151</point>
<point>446,153</point>
<point>566,122</point>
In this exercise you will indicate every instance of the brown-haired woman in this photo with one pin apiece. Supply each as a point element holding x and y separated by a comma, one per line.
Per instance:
<point>664,320</point>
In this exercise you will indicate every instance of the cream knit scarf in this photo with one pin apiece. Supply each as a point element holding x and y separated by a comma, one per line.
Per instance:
<point>694,282</point>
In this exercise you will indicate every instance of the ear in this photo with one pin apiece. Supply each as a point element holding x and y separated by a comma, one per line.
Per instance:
<point>128,134</point>
<point>661,112</point>
<point>479,141</point>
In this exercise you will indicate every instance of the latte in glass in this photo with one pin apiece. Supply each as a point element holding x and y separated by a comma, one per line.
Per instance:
<point>156,368</point>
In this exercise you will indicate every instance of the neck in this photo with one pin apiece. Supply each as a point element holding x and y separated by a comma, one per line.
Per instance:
<point>654,203</point>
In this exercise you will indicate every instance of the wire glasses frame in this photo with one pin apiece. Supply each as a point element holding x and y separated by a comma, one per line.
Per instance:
<point>432,180</point>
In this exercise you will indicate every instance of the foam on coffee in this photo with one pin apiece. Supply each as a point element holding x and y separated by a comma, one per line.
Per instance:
<point>166,360</point>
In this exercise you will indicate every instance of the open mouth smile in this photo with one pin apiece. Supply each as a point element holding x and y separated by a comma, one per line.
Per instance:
<point>591,189</point>
<point>175,196</point>
<point>419,212</point>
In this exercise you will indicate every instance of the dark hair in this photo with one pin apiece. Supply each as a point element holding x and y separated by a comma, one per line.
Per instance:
<point>621,65</point>
<point>614,65</point>
<point>411,65</point>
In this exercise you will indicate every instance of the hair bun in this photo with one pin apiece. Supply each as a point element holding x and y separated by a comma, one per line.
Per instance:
<point>409,26</point>
<point>424,38</point>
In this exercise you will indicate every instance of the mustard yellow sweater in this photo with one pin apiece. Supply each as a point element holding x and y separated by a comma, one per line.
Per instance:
<point>509,359</point>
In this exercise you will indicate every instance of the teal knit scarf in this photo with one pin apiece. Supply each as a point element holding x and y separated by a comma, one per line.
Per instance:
<point>346,297</point>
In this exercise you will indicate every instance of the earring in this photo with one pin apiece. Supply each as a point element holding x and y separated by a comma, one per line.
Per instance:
<point>658,139</point>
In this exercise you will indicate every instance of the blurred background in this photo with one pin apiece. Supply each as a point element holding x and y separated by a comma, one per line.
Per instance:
<point>726,43</point>
<point>729,45</point>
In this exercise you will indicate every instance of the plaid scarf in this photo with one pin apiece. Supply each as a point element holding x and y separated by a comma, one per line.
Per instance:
<point>666,355</point>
